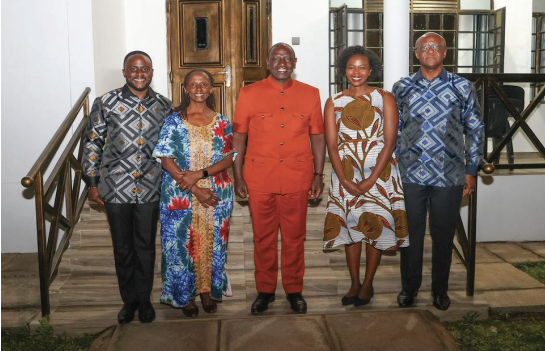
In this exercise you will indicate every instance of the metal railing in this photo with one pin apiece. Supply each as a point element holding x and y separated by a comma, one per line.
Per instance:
<point>467,241</point>
<point>63,189</point>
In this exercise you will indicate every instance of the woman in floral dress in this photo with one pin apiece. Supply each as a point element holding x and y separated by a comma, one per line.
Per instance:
<point>195,147</point>
<point>365,202</point>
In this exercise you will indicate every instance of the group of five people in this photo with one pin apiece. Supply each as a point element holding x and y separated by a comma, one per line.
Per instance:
<point>276,146</point>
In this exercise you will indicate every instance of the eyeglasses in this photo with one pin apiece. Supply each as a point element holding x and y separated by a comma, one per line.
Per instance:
<point>427,47</point>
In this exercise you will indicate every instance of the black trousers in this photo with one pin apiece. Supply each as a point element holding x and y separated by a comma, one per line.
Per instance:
<point>444,206</point>
<point>134,228</point>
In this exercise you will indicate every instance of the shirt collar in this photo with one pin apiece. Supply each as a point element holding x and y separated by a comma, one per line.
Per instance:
<point>126,93</point>
<point>418,75</point>
<point>280,86</point>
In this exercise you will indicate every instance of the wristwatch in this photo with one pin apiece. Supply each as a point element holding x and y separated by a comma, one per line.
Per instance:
<point>321,175</point>
<point>204,173</point>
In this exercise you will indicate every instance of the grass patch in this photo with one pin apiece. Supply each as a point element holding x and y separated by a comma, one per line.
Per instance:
<point>535,270</point>
<point>523,332</point>
<point>43,340</point>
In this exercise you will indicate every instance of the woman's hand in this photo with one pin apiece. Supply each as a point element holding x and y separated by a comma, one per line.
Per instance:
<point>351,187</point>
<point>187,179</point>
<point>365,185</point>
<point>206,196</point>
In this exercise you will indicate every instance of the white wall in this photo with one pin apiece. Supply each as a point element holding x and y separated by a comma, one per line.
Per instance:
<point>357,4</point>
<point>46,64</point>
<point>109,42</point>
<point>150,37</point>
<point>510,207</point>
<point>307,19</point>
<point>121,26</point>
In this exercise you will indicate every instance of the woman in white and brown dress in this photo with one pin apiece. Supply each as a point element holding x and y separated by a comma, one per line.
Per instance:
<point>366,202</point>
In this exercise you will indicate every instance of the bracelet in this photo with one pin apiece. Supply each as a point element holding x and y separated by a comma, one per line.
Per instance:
<point>321,175</point>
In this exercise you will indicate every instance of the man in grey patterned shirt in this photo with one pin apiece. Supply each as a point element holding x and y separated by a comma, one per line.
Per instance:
<point>123,129</point>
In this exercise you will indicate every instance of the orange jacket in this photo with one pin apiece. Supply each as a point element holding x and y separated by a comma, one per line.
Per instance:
<point>278,120</point>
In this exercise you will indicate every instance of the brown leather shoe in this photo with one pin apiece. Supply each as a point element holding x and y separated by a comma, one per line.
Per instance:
<point>191,310</point>
<point>208,305</point>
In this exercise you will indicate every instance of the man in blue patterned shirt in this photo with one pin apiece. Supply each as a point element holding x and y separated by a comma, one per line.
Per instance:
<point>440,145</point>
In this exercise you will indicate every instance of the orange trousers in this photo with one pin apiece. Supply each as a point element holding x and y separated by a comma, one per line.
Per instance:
<point>269,212</point>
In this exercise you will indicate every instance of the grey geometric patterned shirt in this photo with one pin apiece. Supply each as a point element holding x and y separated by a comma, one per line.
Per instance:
<point>118,146</point>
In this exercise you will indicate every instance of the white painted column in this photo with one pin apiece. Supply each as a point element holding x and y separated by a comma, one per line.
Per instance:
<point>396,41</point>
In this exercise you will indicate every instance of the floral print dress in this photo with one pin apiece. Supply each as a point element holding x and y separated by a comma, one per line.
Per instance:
<point>194,238</point>
<point>378,217</point>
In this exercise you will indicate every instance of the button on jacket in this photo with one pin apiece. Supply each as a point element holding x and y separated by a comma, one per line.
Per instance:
<point>119,142</point>
<point>441,131</point>
<point>278,120</point>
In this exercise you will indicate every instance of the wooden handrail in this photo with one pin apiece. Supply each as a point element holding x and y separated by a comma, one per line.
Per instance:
<point>57,139</point>
<point>65,183</point>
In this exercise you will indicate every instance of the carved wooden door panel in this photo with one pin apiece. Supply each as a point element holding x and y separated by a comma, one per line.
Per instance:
<point>228,38</point>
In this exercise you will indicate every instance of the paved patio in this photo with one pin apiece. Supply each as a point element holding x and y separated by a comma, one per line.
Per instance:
<point>85,297</point>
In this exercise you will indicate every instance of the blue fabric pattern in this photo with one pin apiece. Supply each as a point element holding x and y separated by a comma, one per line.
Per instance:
<point>441,131</point>
<point>181,238</point>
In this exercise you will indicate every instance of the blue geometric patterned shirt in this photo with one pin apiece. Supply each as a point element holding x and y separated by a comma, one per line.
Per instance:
<point>441,131</point>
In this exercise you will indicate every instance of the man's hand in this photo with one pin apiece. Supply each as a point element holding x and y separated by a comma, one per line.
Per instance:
<point>188,179</point>
<point>241,189</point>
<point>316,189</point>
<point>206,197</point>
<point>95,196</point>
<point>470,185</point>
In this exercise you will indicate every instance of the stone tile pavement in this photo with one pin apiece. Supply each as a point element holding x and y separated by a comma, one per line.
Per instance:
<point>502,287</point>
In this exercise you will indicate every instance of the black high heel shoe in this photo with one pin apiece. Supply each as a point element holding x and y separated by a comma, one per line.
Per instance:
<point>361,302</point>
<point>349,300</point>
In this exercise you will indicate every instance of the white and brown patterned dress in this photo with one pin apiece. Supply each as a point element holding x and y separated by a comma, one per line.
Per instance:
<point>377,217</point>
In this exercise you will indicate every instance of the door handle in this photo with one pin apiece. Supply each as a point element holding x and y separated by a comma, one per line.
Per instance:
<point>227,75</point>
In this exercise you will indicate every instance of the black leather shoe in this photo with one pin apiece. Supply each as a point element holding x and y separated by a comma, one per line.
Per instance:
<point>126,315</point>
<point>361,302</point>
<point>441,302</point>
<point>406,298</point>
<point>297,303</point>
<point>261,303</point>
<point>146,313</point>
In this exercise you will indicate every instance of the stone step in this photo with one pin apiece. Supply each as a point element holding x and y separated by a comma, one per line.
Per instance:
<point>89,289</point>
<point>93,318</point>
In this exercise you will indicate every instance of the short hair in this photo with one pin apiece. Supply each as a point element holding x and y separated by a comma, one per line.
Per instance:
<point>136,52</point>
<point>278,44</point>
<point>429,33</point>
<point>374,61</point>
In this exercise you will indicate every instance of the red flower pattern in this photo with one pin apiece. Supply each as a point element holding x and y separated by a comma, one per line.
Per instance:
<point>220,129</point>
<point>224,231</point>
<point>178,204</point>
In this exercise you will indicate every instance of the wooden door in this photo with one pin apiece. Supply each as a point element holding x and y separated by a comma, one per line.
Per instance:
<point>228,38</point>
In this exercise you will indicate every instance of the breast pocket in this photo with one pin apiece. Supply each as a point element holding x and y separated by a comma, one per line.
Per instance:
<point>262,121</point>
<point>301,122</point>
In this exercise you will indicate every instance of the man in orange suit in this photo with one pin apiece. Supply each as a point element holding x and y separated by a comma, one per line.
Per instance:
<point>281,119</point>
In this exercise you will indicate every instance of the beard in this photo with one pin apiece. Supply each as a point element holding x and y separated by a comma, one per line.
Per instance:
<point>130,84</point>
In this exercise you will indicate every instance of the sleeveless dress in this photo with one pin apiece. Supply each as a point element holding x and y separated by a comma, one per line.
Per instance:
<point>377,217</point>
